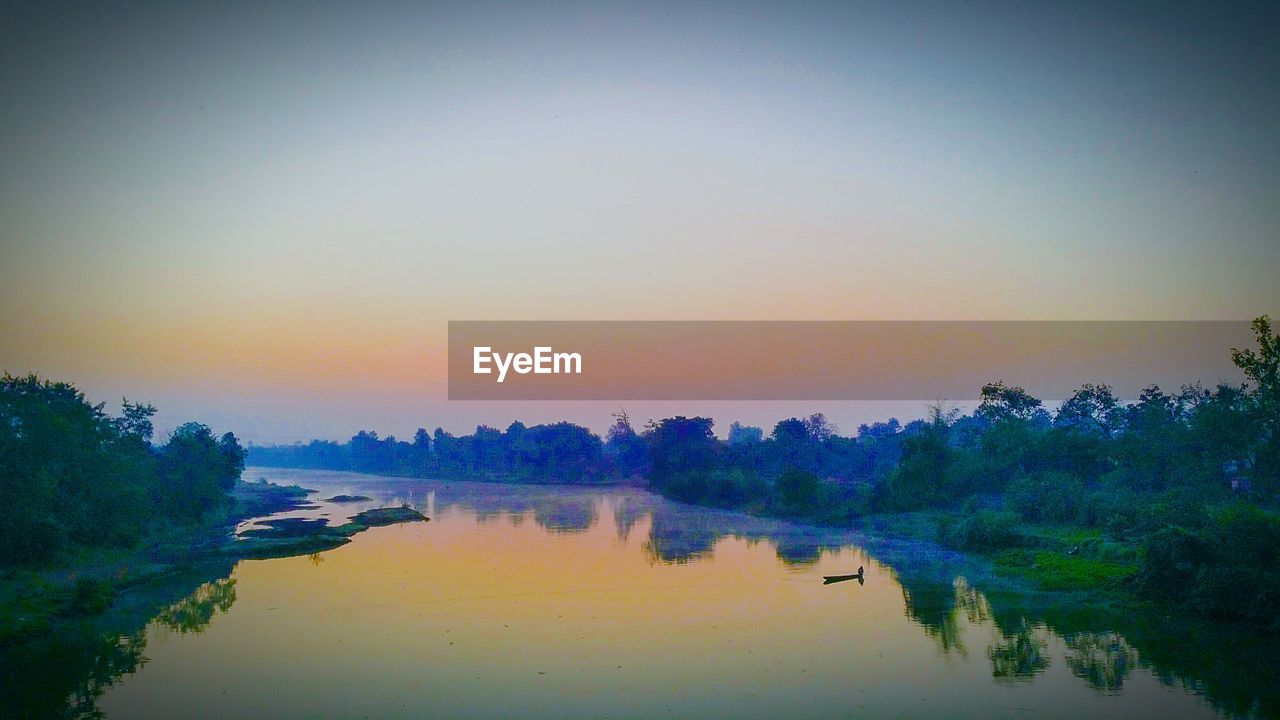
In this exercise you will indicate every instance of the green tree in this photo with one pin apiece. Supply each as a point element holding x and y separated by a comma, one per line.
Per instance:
<point>1262,368</point>
<point>1009,442</point>
<point>1092,408</point>
<point>798,488</point>
<point>196,471</point>
<point>1002,402</point>
<point>683,454</point>
<point>919,479</point>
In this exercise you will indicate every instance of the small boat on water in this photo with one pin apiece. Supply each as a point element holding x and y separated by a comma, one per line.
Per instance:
<point>829,579</point>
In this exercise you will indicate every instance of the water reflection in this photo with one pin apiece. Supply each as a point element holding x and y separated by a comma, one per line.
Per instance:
<point>1021,655</point>
<point>671,541</point>
<point>193,613</point>
<point>1103,660</point>
<point>570,516</point>
<point>769,629</point>
<point>933,606</point>
<point>65,673</point>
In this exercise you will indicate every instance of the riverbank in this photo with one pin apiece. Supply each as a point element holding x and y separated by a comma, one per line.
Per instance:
<point>86,584</point>
<point>1052,558</point>
<point>68,632</point>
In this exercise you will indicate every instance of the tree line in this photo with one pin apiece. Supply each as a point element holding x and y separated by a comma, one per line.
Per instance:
<point>72,476</point>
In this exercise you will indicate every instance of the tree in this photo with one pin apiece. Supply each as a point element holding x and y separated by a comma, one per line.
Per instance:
<point>625,448</point>
<point>819,428</point>
<point>559,452</point>
<point>422,440</point>
<point>233,459</point>
<point>135,419</point>
<point>918,480</point>
<point>793,446</point>
<point>740,434</point>
<point>196,470</point>
<point>682,453</point>
<point>1262,368</point>
<point>798,488</point>
<point>1002,402</point>
<point>70,475</point>
<point>1154,447</point>
<point>1092,408</point>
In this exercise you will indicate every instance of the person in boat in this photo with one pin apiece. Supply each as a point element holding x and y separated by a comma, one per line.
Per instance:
<point>828,579</point>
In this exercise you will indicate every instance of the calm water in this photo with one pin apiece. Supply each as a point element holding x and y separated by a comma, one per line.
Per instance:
<point>527,602</point>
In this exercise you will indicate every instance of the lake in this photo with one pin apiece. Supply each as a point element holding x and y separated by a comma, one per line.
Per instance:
<point>571,602</point>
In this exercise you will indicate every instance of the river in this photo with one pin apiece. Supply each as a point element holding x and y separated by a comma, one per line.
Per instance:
<point>569,602</point>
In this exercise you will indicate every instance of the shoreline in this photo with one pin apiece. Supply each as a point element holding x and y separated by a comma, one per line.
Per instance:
<point>88,584</point>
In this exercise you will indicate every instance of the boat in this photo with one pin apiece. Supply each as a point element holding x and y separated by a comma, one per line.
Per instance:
<point>828,579</point>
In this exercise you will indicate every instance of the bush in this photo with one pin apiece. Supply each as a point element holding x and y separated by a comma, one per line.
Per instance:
<point>983,531</point>
<point>798,488</point>
<point>90,597</point>
<point>30,541</point>
<point>1173,557</point>
<point>735,488</point>
<point>1053,497</point>
<point>1227,570</point>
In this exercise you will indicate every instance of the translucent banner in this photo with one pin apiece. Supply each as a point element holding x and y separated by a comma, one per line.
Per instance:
<point>829,360</point>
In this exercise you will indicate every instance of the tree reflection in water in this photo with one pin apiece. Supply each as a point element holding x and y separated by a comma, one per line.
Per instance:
<point>1021,655</point>
<point>799,554</point>
<point>932,605</point>
<point>193,613</point>
<point>1102,659</point>
<point>64,674</point>
<point>569,516</point>
<point>671,541</point>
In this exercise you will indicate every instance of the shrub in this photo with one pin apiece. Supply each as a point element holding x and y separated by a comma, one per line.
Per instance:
<point>798,488</point>
<point>90,597</point>
<point>1227,570</point>
<point>1054,497</point>
<point>734,488</point>
<point>983,531</point>
<point>1173,558</point>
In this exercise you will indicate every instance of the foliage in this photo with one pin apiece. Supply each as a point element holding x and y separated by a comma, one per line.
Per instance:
<point>1051,570</point>
<point>983,531</point>
<point>740,434</point>
<point>624,449</point>
<point>1002,402</point>
<point>683,453</point>
<point>1227,570</point>
<point>1048,496</point>
<point>917,482</point>
<point>798,488</point>
<point>72,476</point>
<point>90,597</point>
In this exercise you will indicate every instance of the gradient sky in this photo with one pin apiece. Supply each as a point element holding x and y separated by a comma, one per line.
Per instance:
<point>262,216</point>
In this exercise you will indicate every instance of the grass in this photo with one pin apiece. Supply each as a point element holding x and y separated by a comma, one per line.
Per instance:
<point>1042,556</point>
<point>1050,570</point>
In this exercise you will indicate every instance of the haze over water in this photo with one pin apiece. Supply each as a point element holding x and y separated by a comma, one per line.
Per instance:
<point>520,601</point>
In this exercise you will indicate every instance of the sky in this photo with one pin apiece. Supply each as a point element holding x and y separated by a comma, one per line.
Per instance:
<point>262,216</point>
